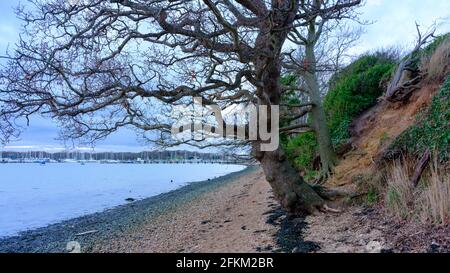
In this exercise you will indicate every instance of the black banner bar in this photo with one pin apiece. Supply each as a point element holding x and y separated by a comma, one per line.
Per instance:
<point>215,262</point>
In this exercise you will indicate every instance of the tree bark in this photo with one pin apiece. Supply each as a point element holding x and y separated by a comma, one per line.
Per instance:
<point>294,194</point>
<point>318,118</point>
<point>326,150</point>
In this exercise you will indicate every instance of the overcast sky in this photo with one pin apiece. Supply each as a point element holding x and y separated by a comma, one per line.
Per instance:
<point>393,25</point>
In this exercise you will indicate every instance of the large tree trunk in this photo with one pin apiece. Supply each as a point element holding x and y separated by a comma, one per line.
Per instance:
<point>318,118</point>
<point>327,154</point>
<point>294,194</point>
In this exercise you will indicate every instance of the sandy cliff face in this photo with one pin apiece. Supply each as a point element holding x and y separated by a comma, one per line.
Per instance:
<point>374,131</point>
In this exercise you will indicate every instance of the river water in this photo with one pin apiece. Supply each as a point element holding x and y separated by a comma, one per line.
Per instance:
<point>34,195</point>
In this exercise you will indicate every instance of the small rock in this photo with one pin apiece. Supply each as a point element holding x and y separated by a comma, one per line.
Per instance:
<point>268,248</point>
<point>374,247</point>
<point>434,247</point>
<point>130,199</point>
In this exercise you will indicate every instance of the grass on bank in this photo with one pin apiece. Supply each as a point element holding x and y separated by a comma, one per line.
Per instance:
<point>437,65</point>
<point>429,203</point>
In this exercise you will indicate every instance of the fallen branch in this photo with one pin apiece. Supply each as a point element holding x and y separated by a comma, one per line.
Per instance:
<point>86,233</point>
<point>420,167</point>
<point>407,76</point>
<point>328,209</point>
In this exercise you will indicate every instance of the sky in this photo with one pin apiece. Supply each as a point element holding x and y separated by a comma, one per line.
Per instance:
<point>392,25</point>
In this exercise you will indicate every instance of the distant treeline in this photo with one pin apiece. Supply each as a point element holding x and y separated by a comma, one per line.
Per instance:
<point>145,155</point>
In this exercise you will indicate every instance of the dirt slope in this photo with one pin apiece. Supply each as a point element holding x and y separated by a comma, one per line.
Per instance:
<point>374,131</point>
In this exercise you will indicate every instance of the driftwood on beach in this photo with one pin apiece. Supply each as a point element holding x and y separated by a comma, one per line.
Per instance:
<point>86,232</point>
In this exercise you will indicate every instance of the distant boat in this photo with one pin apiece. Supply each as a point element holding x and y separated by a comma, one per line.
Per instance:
<point>109,162</point>
<point>69,161</point>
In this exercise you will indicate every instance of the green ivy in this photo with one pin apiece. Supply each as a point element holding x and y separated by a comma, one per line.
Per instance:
<point>354,90</point>
<point>432,129</point>
<point>302,150</point>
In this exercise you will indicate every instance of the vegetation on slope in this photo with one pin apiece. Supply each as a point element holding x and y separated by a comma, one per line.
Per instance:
<point>430,49</point>
<point>354,90</point>
<point>432,130</point>
<point>429,203</point>
<point>302,149</point>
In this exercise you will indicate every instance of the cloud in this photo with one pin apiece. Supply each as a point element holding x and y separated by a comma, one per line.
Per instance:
<point>374,2</point>
<point>394,22</point>
<point>8,36</point>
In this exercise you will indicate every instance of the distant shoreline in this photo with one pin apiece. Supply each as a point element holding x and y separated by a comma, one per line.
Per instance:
<point>142,157</point>
<point>54,238</point>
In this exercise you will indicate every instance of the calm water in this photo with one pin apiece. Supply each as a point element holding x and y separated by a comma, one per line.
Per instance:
<point>33,195</point>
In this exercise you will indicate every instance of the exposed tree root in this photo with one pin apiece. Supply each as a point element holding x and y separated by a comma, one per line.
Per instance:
<point>330,194</point>
<point>326,208</point>
<point>403,93</point>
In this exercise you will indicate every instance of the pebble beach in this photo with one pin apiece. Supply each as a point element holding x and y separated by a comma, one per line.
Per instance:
<point>220,215</point>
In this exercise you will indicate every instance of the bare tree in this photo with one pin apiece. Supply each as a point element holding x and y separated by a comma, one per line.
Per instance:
<point>97,65</point>
<point>323,41</point>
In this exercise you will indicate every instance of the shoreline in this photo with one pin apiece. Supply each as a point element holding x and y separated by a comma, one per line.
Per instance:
<point>231,218</point>
<point>54,237</point>
<point>235,213</point>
